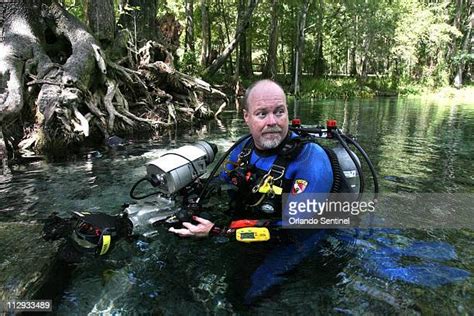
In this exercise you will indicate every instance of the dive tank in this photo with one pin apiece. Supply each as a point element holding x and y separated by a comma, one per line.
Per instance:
<point>348,167</point>
<point>179,167</point>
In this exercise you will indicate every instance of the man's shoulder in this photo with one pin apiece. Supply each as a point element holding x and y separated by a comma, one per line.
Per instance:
<point>311,163</point>
<point>311,150</point>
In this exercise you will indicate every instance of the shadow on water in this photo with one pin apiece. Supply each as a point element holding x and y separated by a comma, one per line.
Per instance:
<point>415,147</point>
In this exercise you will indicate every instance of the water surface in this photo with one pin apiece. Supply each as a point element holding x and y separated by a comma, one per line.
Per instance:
<point>415,146</point>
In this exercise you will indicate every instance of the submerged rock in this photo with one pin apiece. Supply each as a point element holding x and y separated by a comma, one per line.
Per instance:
<point>115,142</point>
<point>26,260</point>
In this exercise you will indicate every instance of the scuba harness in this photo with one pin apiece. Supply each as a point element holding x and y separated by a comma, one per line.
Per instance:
<point>260,189</point>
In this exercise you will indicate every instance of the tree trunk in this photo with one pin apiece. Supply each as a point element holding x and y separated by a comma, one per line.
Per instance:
<point>101,19</point>
<point>270,70</point>
<point>139,16</point>
<point>241,48</point>
<point>58,89</point>
<point>299,46</point>
<point>291,47</point>
<point>246,68</point>
<point>353,66</point>
<point>365,58</point>
<point>465,47</point>
<point>226,28</point>
<point>241,27</point>
<point>318,63</point>
<point>453,44</point>
<point>189,38</point>
<point>245,62</point>
<point>245,48</point>
<point>205,34</point>
<point>283,63</point>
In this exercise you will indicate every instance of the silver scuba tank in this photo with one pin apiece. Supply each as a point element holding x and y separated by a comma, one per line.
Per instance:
<point>348,167</point>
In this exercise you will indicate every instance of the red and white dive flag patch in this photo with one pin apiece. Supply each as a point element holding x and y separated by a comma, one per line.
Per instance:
<point>299,186</point>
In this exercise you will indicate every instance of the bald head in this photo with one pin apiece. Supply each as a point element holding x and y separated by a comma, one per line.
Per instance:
<point>266,114</point>
<point>261,86</point>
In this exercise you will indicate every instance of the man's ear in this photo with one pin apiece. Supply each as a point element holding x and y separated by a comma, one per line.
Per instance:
<point>246,116</point>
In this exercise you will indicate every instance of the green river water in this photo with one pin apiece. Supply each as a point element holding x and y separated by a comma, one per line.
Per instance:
<point>415,146</point>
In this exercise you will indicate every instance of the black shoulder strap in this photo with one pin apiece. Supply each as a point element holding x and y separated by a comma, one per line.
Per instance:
<point>339,184</point>
<point>290,150</point>
<point>246,153</point>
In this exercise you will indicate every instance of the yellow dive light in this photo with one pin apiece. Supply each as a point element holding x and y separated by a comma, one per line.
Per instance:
<point>252,234</point>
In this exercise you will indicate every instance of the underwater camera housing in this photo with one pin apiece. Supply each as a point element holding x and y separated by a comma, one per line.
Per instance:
<point>177,168</point>
<point>176,171</point>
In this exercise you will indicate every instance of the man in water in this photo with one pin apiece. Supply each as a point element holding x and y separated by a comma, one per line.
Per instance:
<point>268,164</point>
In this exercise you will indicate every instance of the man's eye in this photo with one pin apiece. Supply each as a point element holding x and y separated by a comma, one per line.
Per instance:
<point>280,112</point>
<point>261,115</point>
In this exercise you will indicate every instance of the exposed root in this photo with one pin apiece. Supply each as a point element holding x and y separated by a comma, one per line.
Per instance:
<point>86,94</point>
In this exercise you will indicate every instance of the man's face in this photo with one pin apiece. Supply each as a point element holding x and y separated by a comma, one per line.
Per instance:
<point>267,115</point>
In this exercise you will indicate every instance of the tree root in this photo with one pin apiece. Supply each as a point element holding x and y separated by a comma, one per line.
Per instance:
<point>88,95</point>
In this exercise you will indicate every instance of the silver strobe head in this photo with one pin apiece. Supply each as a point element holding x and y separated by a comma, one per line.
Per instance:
<point>179,167</point>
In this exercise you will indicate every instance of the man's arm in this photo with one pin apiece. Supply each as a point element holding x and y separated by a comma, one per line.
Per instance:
<point>312,178</point>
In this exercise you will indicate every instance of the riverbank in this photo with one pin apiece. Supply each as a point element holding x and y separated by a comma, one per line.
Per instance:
<point>448,94</point>
<point>352,88</point>
<point>347,87</point>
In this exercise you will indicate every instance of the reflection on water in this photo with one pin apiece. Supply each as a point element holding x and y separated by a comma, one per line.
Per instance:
<point>415,147</point>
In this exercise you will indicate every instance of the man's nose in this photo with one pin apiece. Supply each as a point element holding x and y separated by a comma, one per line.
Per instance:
<point>271,119</point>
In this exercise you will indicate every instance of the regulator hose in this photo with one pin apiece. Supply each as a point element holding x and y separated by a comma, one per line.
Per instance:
<point>367,159</point>
<point>218,164</point>
<point>143,196</point>
<point>338,133</point>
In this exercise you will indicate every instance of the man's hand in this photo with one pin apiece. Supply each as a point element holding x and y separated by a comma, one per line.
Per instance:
<point>202,229</point>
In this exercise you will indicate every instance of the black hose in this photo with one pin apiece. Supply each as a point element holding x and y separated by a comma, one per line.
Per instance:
<point>369,162</point>
<point>336,132</point>
<point>372,170</point>
<point>219,163</point>
<point>144,196</point>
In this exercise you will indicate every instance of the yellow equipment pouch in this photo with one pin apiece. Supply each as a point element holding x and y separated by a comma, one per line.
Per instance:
<point>267,187</point>
<point>252,234</point>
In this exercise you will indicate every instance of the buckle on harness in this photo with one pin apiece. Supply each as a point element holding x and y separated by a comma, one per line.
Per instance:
<point>244,153</point>
<point>277,170</point>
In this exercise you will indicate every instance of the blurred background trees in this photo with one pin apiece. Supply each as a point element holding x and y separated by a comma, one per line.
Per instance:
<point>425,42</point>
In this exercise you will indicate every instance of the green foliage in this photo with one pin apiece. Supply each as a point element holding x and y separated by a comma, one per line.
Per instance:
<point>463,58</point>
<point>75,7</point>
<point>335,88</point>
<point>423,37</point>
<point>403,44</point>
<point>189,63</point>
